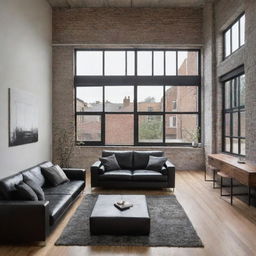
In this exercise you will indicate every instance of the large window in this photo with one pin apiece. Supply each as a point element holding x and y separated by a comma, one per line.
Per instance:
<point>234,36</point>
<point>234,116</point>
<point>137,97</point>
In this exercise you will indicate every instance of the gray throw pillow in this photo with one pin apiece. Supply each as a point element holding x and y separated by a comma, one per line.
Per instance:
<point>55,175</point>
<point>37,189</point>
<point>25,192</point>
<point>110,163</point>
<point>156,163</point>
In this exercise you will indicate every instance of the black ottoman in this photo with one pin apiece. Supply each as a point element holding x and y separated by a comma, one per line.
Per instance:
<point>107,219</point>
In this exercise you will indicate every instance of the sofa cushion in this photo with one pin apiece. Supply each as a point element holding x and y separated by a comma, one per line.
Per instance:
<point>55,175</point>
<point>110,163</point>
<point>7,186</point>
<point>25,192</point>
<point>116,175</point>
<point>36,188</point>
<point>148,175</point>
<point>58,204</point>
<point>34,174</point>
<point>141,158</point>
<point>46,164</point>
<point>124,158</point>
<point>72,188</point>
<point>156,163</point>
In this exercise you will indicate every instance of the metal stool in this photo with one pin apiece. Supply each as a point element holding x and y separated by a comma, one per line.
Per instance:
<point>214,172</point>
<point>225,176</point>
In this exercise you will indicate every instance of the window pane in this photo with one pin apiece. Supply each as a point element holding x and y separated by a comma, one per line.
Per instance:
<point>227,43</point>
<point>170,63</point>
<point>242,145</point>
<point>242,90</point>
<point>186,129</point>
<point>114,63</point>
<point>144,63</point>
<point>119,129</point>
<point>227,124</point>
<point>227,95</point>
<point>151,128</point>
<point>235,146</point>
<point>184,96</point>
<point>158,63</point>
<point>130,63</point>
<point>88,128</point>
<point>235,124</point>
<point>227,144</point>
<point>89,63</point>
<point>235,36</point>
<point>242,30</point>
<point>150,98</point>
<point>187,63</point>
<point>119,98</point>
<point>89,99</point>
<point>242,124</point>
<point>234,93</point>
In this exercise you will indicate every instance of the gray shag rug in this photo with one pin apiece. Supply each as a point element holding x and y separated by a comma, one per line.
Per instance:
<point>170,227</point>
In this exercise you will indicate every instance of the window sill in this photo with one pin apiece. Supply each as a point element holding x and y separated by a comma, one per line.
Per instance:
<point>141,147</point>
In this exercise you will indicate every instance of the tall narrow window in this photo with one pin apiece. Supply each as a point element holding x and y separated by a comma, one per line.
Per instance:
<point>234,36</point>
<point>234,116</point>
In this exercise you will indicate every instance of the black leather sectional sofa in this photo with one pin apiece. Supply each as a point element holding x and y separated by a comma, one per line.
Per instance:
<point>133,173</point>
<point>31,221</point>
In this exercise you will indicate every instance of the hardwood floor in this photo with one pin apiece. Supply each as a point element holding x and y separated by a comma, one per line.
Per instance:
<point>224,229</point>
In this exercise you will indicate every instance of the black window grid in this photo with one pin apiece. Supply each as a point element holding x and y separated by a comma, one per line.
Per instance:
<point>229,28</point>
<point>83,81</point>
<point>237,108</point>
<point>136,57</point>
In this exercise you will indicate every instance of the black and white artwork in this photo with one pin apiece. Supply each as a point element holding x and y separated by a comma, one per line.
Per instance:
<point>23,117</point>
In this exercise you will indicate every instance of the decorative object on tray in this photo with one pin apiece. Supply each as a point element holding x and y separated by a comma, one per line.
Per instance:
<point>241,160</point>
<point>123,205</point>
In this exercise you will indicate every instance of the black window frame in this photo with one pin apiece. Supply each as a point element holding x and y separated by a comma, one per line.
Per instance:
<point>229,28</point>
<point>232,77</point>
<point>135,80</point>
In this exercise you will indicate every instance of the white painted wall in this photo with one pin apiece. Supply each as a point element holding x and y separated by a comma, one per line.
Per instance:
<point>26,64</point>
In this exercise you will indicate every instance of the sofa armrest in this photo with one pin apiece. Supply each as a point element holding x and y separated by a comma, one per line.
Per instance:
<point>96,170</point>
<point>26,221</point>
<point>98,167</point>
<point>170,168</point>
<point>75,173</point>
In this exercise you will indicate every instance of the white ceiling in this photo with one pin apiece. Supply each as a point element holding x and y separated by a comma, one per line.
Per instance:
<point>126,3</point>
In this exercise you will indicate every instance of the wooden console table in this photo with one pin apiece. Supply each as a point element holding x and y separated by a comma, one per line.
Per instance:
<point>244,173</point>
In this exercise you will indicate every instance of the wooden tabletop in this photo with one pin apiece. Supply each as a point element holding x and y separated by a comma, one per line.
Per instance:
<point>232,160</point>
<point>244,173</point>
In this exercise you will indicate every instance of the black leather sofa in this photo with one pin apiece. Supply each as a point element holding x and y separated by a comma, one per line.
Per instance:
<point>30,221</point>
<point>133,173</point>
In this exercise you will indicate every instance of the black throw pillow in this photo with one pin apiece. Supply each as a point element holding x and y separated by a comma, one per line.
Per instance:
<point>55,175</point>
<point>37,189</point>
<point>110,163</point>
<point>156,163</point>
<point>25,192</point>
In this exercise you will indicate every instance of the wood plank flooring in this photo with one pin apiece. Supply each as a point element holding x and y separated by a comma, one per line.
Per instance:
<point>224,229</point>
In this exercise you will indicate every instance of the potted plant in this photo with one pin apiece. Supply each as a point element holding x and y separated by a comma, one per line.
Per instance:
<point>194,137</point>
<point>64,146</point>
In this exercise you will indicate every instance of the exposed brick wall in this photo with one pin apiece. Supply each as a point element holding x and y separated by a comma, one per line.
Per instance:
<point>250,72</point>
<point>209,79</point>
<point>177,26</point>
<point>225,12</point>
